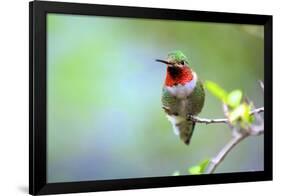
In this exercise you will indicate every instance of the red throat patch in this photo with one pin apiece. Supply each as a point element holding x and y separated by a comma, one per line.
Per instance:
<point>178,75</point>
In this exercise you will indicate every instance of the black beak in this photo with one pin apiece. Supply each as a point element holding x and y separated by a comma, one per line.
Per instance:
<point>163,61</point>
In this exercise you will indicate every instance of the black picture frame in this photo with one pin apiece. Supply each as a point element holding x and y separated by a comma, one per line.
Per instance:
<point>37,97</point>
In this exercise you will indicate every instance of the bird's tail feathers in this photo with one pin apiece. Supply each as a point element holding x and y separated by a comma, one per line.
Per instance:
<point>182,127</point>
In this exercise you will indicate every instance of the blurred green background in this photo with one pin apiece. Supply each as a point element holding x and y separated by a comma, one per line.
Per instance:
<point>104,116</point>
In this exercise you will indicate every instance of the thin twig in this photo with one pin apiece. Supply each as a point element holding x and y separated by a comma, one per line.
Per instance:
<point>258,127</point>
<point>261,85</point>
<point>224,151</point>
<point>257,111</point>
<point>225,110</point>
<point>207,121</point>
<point>219,120</point>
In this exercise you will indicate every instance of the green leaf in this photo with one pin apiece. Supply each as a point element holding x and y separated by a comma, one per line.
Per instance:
<point>243,113</point>
<point>216,90</point>
<point>195,170</point>
<point>234,98</point>
<point>176,173</point>
<point>204,164</point>
<point>199,169</point>
<point>247,118</point>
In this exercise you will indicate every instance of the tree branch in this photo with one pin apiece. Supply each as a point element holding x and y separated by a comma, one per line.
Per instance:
<point>206,120</point>
<point>238,135</point>
<point>224,151</point>
<point>219,120</point>
<point>240,130</point>
<point>257,111</point>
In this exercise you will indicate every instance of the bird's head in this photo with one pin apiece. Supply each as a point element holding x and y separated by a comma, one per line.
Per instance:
<point>178,70</point>
<point>176,59</point>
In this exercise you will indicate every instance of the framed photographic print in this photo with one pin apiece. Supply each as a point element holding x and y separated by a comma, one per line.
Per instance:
<point>133,97</point>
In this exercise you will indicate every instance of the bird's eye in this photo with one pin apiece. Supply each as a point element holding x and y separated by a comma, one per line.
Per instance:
<point>182,62</point>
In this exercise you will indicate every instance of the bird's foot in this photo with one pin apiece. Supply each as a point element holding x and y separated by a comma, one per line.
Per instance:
<point>189,117</point>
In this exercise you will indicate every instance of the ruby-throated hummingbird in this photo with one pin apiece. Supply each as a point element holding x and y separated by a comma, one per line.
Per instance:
<point>182,94</point>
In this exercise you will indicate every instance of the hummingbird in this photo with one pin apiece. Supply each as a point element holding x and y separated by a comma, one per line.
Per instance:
<point>183,95</point>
